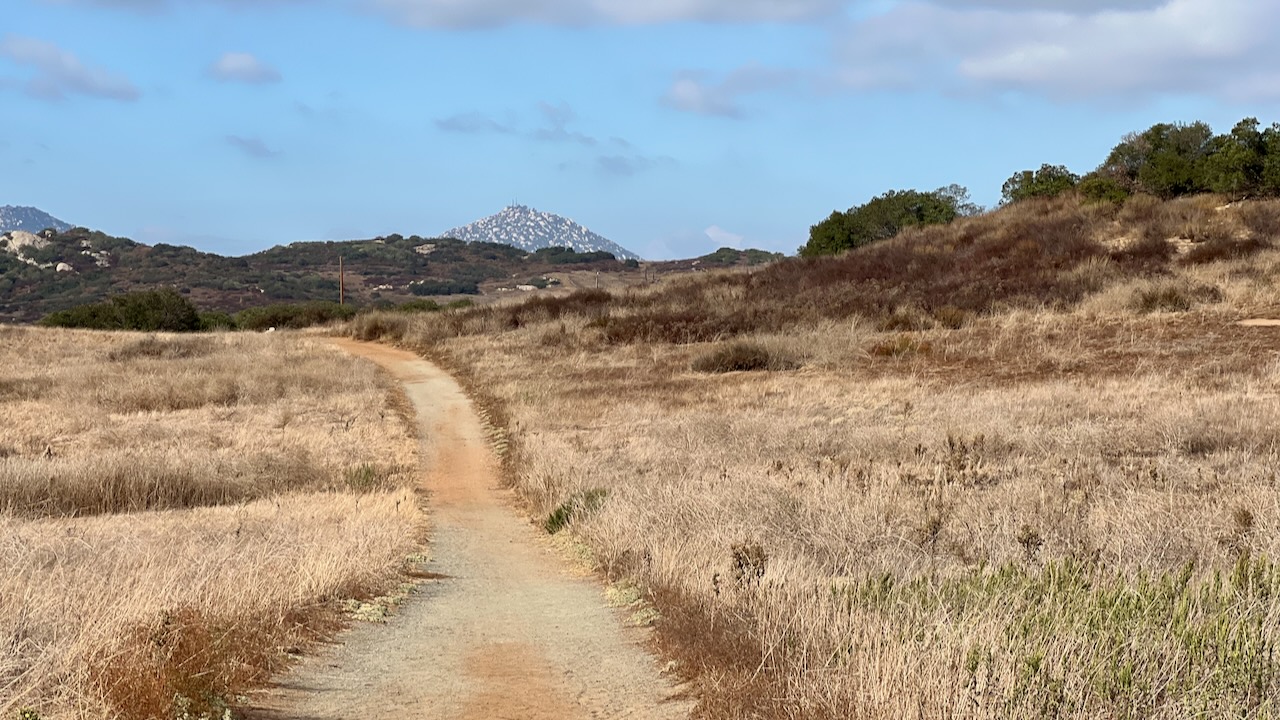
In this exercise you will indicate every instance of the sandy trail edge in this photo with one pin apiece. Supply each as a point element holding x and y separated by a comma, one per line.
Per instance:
<point>509,632</point>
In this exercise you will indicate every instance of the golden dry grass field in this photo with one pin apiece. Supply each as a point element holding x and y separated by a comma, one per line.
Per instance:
<point>1047,489</point>
<point>180,514</point>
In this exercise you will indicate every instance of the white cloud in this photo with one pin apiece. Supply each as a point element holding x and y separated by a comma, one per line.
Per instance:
<point>693,92</point>
<point>724,238</point>
<point>244,68</point>
<point>1125,50</point>
<point>488,13</point>
<point>58,73</point>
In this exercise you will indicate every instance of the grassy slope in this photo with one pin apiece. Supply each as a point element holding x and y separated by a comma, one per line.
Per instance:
<point>1026,466</point>
<point>177,512</point>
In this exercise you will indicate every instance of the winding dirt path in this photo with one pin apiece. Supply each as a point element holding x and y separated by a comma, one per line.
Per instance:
<point>507,631</point>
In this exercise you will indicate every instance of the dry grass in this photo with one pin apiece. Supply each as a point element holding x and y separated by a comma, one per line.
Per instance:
<point>179,514</point>
<point>1066,509</point>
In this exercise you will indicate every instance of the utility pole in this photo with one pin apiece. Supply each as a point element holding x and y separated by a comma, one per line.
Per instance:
<point>342,282</point>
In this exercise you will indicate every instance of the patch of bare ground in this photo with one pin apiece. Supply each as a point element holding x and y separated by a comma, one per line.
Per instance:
<point>180,515</point>
<point>1030,505</point>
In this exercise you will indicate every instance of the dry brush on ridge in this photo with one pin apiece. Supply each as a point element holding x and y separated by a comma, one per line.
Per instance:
<point>179,514</point>
<point>1020,466</point>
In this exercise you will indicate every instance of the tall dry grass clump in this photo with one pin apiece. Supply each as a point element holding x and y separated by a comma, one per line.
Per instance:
<point>1056,499</point>
<point>180,514</point>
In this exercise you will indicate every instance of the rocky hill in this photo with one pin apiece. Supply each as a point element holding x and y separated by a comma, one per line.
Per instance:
<point>28,219</point>
<point>529,229</point>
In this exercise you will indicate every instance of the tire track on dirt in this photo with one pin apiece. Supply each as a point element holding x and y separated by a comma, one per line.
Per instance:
<point>507,632</point>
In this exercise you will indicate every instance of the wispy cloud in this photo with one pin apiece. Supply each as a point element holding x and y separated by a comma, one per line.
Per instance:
<point>577,13</point>
<point>154,6</point>
<point>625,166</point>
<point>558,117</point>
<point>58,73</point>
<point>244,68</point>
<point>473,123</point>
<point>252,146</point>
<point>693,92</point>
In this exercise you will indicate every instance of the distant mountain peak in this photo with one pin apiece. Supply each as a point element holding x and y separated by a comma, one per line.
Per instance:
<point>529,229</point>
<point>28,219</point>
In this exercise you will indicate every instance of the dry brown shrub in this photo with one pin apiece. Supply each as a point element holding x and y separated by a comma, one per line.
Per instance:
<point>1174,296</point>
<point>163,348</point>
<point>385,326</point>
<point>1224,247</point>
<point>743,356</point>
<point>1261,218</point>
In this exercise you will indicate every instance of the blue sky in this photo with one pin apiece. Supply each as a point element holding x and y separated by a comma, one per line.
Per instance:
<point>670,126</point>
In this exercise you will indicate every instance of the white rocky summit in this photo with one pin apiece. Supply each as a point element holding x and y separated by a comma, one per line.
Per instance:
<point>29,219</point>
<point>530,229</point>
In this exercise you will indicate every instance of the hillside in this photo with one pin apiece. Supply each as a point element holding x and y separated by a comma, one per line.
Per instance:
<point>1022,464</point>
<point>56,270</point>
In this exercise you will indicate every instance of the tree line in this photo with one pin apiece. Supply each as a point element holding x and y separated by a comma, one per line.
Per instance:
<point>1167,160</point>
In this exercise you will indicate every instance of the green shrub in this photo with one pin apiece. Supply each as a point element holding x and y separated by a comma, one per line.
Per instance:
<point>1048,181</point>
<point>164,310</point>
<point>884,217</point>
<point>293,316</point>
<point>1097,188</point>
<point>418,306</point>
<point>445,287</point>
<point>567,256</point>
<point>212,321</point>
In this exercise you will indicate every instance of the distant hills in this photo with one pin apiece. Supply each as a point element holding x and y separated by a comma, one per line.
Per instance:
<point>57,266</point>
<point>529,229</point>
<point>41,273</point>
<point>28,219</point>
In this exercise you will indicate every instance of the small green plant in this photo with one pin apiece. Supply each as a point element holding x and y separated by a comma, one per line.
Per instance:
<point>576,507</point>
<point>28,714</point>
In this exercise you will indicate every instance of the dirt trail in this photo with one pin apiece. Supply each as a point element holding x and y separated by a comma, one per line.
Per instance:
<point>506,632</point>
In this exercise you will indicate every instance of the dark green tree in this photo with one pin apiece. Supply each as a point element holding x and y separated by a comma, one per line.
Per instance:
<point>1269,181</point>
<point>1167,160</point>
<point>1235,163</point>
<point>1048,181</point>
<point>883,217</point>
